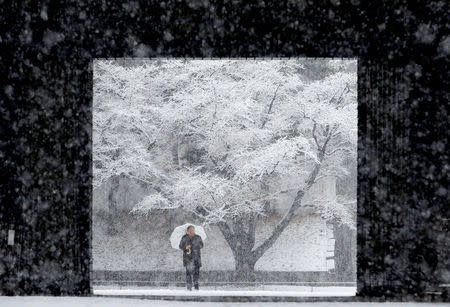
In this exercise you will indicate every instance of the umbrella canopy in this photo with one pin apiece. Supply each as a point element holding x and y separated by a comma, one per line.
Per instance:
<point>180,231</point>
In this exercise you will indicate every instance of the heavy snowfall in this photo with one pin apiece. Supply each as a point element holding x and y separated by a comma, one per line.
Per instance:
<point>262,153</point>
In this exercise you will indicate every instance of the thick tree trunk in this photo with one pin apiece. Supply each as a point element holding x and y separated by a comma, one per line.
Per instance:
<point>241,240</point>
<point>245,268</point>
<point>112,207</point>
<point>345,252</point>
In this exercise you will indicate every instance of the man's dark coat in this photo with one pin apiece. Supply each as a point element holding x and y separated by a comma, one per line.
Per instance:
<point>196,244</point>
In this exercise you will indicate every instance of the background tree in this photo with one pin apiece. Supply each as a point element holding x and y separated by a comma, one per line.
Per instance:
<point>223,139</point>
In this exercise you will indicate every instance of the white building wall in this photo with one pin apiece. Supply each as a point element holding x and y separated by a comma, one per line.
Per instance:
<point>324,189</point>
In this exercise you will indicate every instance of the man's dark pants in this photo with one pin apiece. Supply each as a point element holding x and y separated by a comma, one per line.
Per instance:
<point>192,274</point>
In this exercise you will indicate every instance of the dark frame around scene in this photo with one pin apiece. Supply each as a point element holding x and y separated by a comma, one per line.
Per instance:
<point>45,125</point>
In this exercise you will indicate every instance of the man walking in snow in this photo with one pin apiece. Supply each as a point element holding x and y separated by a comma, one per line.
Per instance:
<point>190,245</point>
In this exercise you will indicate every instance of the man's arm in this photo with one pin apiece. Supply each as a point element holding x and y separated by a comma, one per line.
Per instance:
<point>182,244</point>
<point>200,243</point>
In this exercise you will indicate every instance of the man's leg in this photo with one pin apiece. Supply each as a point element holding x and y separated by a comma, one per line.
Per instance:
<point>189,273</point>
<point>196,276</point>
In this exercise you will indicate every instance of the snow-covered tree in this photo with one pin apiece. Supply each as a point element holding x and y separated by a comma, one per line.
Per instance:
<point>223,139</point>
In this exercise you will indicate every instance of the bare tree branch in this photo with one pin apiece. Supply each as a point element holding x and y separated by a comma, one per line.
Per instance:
<point>273,99</point>
<point>314,135</point>
<point>276,164</point>
<point>229,236</point>
<point>336,150</point>
<point>252,228</point>
<point>284,222</point>
<point>263,247</point>
<point>152,141</point>
<point>270,106</point>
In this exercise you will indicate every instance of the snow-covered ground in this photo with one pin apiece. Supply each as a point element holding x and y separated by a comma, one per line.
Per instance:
<point>267,290</point>
<point>43,301</point>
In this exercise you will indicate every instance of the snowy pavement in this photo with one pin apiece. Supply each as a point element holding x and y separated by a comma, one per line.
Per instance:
<point>279,291</point>
<point>43,301</point>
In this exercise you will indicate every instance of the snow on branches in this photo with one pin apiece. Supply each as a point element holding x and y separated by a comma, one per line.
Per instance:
<point>221,138</point>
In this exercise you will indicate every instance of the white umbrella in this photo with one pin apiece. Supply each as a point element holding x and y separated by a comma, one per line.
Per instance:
<point>180,231</point>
